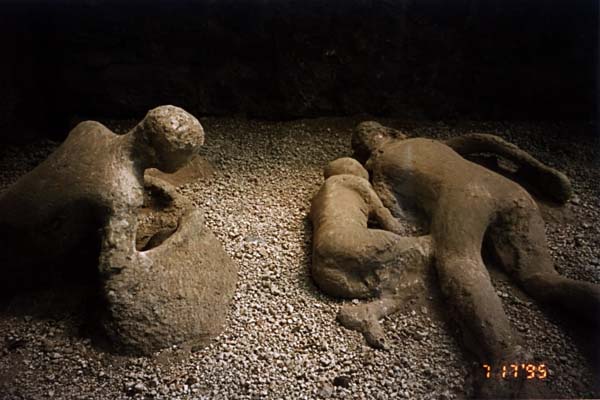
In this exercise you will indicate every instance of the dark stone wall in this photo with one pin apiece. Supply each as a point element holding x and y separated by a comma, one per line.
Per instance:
<point>498,59</point>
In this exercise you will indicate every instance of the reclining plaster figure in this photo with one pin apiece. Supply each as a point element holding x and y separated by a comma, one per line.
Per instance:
<point>463,204</point>
<point>351,260</point>
<point>175,292</point>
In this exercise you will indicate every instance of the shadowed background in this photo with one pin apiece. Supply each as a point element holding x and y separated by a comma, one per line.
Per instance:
<point>493,59</point>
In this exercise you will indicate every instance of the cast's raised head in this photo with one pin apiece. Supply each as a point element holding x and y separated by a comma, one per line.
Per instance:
<point>369,136</point>
<point>173,135</point>
<point>345,165</point>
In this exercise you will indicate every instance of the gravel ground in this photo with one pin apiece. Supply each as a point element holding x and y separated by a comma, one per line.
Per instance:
<point>282,340</point>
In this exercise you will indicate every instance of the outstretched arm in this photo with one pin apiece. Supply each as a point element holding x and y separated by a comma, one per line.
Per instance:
<point>549,181</point>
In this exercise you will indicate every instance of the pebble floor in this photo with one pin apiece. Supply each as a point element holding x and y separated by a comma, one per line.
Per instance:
<point>282,340</point>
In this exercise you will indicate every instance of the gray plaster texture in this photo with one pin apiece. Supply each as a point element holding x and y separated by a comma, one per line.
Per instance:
<point>462,207</point>
<point>176,287</point>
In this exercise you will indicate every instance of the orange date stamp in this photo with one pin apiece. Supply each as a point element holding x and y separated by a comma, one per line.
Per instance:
<point>516,371</point>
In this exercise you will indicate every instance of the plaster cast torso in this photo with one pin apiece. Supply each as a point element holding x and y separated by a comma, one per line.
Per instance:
<point>68,195</point>
<point>451,191</point>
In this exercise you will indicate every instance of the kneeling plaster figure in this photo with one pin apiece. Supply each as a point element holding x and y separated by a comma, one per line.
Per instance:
<point>177,288</point>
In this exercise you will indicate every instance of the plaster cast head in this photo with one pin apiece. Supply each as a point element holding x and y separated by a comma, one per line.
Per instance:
<point>370,136</point>
<point>171,135</point>
<point>347,166</point>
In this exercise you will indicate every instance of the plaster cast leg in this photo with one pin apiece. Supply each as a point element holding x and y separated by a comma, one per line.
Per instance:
<point>364,318</point>
<point>398,283</point>
<point>577,297</point>
<point>518,241</point>
<point>486,329</point>
<point>466,283</point>
<point>356,266</point>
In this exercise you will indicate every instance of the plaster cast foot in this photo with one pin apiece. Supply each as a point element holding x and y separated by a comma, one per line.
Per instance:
<point>365,318</point>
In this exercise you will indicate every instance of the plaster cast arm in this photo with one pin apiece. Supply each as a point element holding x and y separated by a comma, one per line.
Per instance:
<point>118,242</point>
<point>382,215</point>
<point>549,181</point>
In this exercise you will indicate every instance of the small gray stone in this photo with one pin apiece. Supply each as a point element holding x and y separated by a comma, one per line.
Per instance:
<point>326,390</point>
